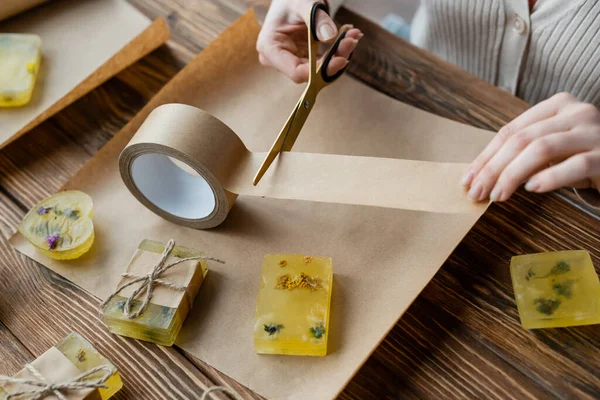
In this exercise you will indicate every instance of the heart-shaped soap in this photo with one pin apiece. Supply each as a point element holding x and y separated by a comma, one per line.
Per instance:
<point>61,226</point>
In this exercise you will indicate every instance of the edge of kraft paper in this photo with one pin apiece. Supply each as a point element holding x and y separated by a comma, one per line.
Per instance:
<point>153,36</point>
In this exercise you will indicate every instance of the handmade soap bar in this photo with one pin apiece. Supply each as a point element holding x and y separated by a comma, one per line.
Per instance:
<point>61,226</point>
<point>163,317</point>
<point>556,289</point>
<point>71,358</point>
<point>19,65</point>
<point>292,313</point>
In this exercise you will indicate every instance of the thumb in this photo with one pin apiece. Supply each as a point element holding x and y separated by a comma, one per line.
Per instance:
<point>325,27</point>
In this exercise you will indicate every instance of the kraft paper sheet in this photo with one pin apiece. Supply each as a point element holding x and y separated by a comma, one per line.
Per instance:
<point>8,8</point>
<point>382,257</point>
<point>84,43</point>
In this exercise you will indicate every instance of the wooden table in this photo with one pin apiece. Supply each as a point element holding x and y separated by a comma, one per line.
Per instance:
<point>461,337</point>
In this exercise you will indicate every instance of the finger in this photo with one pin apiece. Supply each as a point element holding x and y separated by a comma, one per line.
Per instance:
<point>286,62</point>
<point>336,64</point>
<point>346,47</point>
<point>354,33</point>
<point>537,156</point>
<point>573,170</point>
<point>325,27</point>
<point>543,110</point>
<point>344,50</point>
<point>485,179</point>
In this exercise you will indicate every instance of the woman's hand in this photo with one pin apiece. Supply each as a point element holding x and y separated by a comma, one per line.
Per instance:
<point>283,39</point>
<point>556,143</point>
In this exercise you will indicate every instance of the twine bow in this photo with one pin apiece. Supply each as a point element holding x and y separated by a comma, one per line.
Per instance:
<point>57,388</point>
<point>147,282</point>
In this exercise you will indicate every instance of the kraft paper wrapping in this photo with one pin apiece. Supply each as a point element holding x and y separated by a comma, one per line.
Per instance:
<point>55,368</point>
<point>142,264</point>
<point>84,43</point>
<point>382,257</point>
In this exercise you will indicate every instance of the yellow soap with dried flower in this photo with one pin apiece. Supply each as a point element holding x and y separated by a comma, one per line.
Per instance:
<point>556,289</point>
<point>61,226</point>
<point>20,58</point>
<point>293,308</point>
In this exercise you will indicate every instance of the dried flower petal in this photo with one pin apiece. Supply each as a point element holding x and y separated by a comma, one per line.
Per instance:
<point>52,240</point>
<point>43,210</point>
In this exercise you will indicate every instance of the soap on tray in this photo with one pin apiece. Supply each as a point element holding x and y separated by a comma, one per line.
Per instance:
<point>163,318</point>
<point>20,57</point>
<point>61,226</point>
<point>292,313</point>
<point>67,360</point>
<point>556,289</point>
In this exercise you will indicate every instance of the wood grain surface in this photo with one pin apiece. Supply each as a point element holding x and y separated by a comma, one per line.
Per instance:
<point>460,339</point>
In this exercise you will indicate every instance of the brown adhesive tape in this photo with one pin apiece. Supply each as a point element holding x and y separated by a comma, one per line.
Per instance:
<point>223,168</point>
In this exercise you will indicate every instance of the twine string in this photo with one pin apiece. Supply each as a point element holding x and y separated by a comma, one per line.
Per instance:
<point>57,388</point>
<point>149,281</point>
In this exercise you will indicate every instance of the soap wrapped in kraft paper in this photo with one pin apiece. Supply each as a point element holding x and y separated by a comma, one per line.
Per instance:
<point>72,370</point>
<point>156,292</point>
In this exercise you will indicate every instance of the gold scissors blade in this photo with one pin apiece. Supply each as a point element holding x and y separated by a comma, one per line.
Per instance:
<point>275,148</point>
<point>318,79</point>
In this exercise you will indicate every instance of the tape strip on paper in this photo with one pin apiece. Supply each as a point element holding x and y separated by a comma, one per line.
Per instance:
<point>217,167</point>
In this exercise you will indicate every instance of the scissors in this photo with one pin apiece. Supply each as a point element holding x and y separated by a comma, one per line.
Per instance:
<point>318,79</point>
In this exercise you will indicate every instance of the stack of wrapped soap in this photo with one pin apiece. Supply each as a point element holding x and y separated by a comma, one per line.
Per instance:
<point>292,313</point>
<point>161,318</point>
<point>71,362</point>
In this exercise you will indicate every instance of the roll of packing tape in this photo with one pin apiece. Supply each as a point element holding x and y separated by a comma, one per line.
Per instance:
<point>217,167</point>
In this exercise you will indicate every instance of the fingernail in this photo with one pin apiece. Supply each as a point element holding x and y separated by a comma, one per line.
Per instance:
<point>475,192</point>
<point>326,32</point>
<point>495,195</point>
<point>361,35</point>
<point>532,185</point>
<point>466,180</point>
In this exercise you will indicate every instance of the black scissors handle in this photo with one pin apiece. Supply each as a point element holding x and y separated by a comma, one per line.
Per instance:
<point>331,53</point>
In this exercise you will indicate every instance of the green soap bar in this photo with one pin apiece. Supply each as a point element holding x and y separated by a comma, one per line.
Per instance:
<point>557,289</point>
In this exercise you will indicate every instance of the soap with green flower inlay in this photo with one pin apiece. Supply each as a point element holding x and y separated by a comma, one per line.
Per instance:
<point>292,313</point>
<point>556,289</point>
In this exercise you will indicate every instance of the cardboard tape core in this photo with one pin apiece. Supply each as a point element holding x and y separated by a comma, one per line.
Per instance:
<point>225,168</point>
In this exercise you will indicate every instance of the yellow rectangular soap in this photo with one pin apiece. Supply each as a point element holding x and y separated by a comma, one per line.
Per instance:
<point>20,57</point>
<point>556,289</point>
<point>292,312</point>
